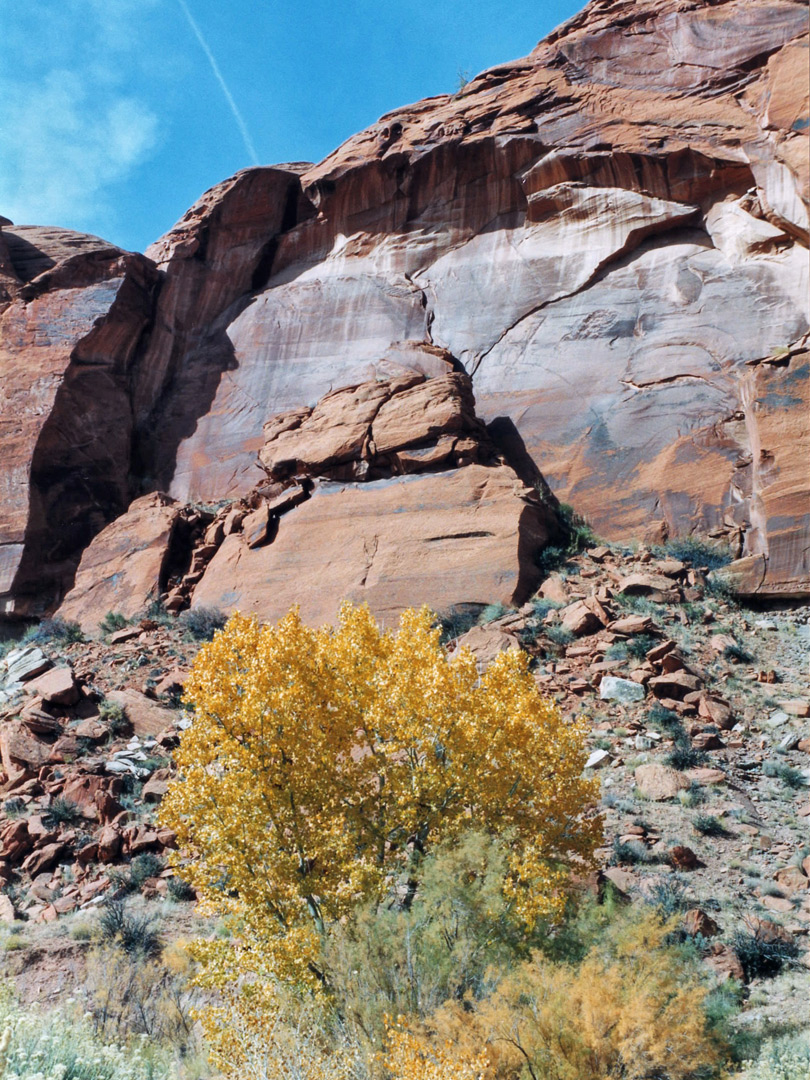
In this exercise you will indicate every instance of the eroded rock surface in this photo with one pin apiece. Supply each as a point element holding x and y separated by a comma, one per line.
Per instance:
<point>129,564</point>
<point>388,492</point>
<point>75,308</point>
<point>609,235</point>
<point>467,536</point>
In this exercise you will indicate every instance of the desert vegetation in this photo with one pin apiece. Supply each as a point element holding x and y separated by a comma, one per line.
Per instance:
<point>404,868</point>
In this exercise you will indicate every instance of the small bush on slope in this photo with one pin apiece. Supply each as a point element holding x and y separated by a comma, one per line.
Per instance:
<point>785,1058</point>
<point>633,1008</point>
<point>39,1046</point>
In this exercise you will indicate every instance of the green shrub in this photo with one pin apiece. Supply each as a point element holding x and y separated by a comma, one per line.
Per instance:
<point>709,825</point>
<point>134,934</point>
<point>57,631</point>
<point>636,605</point>
<point>114,716</point>
<point>179,890</point>
<point>542,607</point>
<point>694,795</point>
<point>695,552</point>
<point>780,770</point>
<point>786,1057</point>
<point>770,888</point>
<point>551,559</point>
<point>62,812</point>
<point>721,589</point>
<point>157,613</point>
<point>113,621</point>
<point>685,757</point>
<point>82,931</point>
<point>578,536</point>
<point>202,623</point>
<point>631,853</point>
<point>760,958</point>
<point>639,646</point>
<point>668,895</point>
<point>457,621</point>
<point>558,635</point>
<point>579,533</point>
<point>737,654</point>
<point>65,1046</point>
<point>492,612</point>
<point>617,651</point>
<point>132,877</point>
<point>664,720</point>
<point>14,808</point>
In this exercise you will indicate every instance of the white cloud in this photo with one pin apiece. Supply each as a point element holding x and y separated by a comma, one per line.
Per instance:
<point>69,130</point>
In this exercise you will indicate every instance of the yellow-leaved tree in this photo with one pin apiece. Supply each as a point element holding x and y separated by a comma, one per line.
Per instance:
<point>322,764</point>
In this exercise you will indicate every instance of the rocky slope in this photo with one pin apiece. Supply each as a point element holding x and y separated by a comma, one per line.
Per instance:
<point>699,727</point>
<point>609,237</point>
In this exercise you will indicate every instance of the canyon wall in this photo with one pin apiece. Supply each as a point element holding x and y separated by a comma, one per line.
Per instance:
<point>608,237</point>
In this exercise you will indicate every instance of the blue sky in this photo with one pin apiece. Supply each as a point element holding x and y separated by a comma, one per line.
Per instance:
<point>118,114</point>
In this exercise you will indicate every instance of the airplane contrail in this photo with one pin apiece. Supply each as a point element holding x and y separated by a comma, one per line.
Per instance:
<point>251,149</point>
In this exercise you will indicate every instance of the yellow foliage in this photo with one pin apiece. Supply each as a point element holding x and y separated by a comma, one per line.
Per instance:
<point>408,1058</point>
<point>262,1031</point>
<point>632,1009</point>
<point>322,763</point>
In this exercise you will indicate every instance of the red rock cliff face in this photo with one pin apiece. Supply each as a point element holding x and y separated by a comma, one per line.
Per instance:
<point>74,310</point>
<point>609,236</point>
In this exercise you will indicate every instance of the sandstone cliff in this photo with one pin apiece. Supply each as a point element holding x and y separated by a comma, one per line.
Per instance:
<point>609,236</point>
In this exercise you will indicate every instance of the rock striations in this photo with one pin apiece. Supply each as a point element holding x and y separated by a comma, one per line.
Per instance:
<point>607,239</point>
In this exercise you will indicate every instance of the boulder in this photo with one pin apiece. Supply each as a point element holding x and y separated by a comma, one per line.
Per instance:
<point>625,691</point>
<point>697,922</point>
<point>146,717</point>
<point>468,536</point>
<point>486,642</point>
<point>15,841</point>
<point>554,589</point>
<point>792,879</point>
<point>796,708</point>
<point>623,880</point>
<point>717,710</point>
<point>631,624</point>
<point>140,838</point>
<point>25,664</point>
<point>109,843</point>
<point>22,751</point>
<point>659,782</point>
<point>707,740</point>
<point>597,759</point>
<point>44,858</point>
<point>656,586</point>
<point>704,775</point>
<point>674,684</point>
<point>122,569</point>
<point>780,904</point>
<point>255,526</point>
<point>362,422</point>
<point>681,857</point>
<point>172,682</point>
<point>84,791</point>
<point>156,786</point>
<point>580,619</point>
<point>8,913</point>
<point>57,686</point>
<point>725,963</point>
